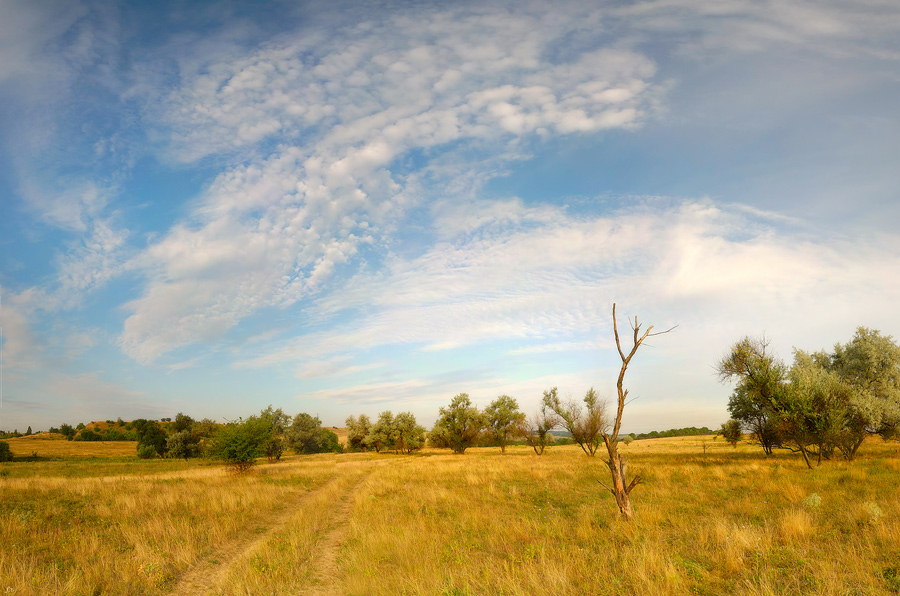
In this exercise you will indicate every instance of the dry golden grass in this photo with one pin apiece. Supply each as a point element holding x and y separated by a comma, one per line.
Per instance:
<point>723,521</point>
<point>47,445</point>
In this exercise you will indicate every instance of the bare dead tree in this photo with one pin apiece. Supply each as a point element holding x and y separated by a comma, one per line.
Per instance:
<point>621,489</point>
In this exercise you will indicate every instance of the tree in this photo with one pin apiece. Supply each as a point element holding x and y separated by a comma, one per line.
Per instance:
<point>182,422</point>
<point>5,452</point>
<point>585,425</point>
<point>617,463</point>
<point>182,445</point>
<point>150,434</point>
<point>870,364</point>
<point>277,421</point>
<point>731,431</point>
<point>381,435</point>
<point>457,426</point>
<point>503,420</point>
<point>408,435</point>
<point>755,416</point>
<point>357,431</point>
<point>816,414</point>
<point>28,432</point>
<point>536,430</point>
<point>241,442</point>
<point>67,430</point>
<point>305,435</point>
<point>762,383</point>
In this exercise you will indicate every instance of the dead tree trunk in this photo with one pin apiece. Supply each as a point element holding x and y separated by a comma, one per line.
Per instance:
<point>621,489</point>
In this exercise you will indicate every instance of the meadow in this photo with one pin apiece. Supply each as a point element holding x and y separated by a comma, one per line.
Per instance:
<point>709,519</point>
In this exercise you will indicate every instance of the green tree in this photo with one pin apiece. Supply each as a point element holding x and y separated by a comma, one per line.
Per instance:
<point>5,452</point>
<point>382,436</point>
<point>761,386</point>
<point>182,445</point>
<point>304,435</point>
<point>28,432</point>
<point>241,442</point>
<point>457,426</point>
<point>870,364</point>
<point>731,431</point>
<point>816,414</point>
<point>503,420</point>
<point>357,431</point>
<point>182,422</point>
<point>278,421</point>
<point>408,435</point>
<point>150,434</point>
<point>585,425</point>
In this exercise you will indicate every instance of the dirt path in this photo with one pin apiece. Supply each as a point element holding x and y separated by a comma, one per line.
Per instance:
<point>325,568</point>
<point>213,570</point>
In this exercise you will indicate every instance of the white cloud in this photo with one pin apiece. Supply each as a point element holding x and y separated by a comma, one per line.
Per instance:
<point>836,27</point>
<point>21,350</point>
<point>273,230</point>
<point>553,284</point>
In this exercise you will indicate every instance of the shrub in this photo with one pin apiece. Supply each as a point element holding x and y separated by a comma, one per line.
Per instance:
<point>88,435</point>
<point>5,452</point>
<point>813,501</point>
<point>146,451</point>
<point>182,444</point>
<point>305,435</point>
<point>731,430</point>
<point>274,449</point>
<point>151,433</point>
<point>239,443</point>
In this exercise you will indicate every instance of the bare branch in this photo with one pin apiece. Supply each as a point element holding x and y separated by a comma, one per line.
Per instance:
<point>634,482</point>
<point>603,484</point>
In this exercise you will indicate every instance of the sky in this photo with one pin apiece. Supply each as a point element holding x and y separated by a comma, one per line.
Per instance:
<point>342,208</point>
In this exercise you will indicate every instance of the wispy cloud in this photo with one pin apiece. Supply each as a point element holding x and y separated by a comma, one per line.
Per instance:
<point>273,229</point>
<point>553,284</point>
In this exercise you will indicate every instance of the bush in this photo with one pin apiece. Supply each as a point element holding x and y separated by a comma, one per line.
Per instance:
<point>151,433</point>
<point>239,443</point>
<point>731,430</point>
<point>305,435</point>
<point>182,444</point>
<point>146,451</point>
<point>5,451</point>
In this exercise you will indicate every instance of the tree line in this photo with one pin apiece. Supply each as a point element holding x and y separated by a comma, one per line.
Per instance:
<point>823,403</point>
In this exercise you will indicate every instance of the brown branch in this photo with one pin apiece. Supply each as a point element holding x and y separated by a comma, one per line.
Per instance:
<point>634,482</point>
<point>606,487</point>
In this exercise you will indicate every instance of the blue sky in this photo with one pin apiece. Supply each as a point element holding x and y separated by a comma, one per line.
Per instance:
<point>348,208</point>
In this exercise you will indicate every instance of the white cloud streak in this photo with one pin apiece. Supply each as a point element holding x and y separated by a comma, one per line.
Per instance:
<point>553,284</point>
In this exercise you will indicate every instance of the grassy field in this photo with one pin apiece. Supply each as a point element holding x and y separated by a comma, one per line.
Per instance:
<point>708,521</point>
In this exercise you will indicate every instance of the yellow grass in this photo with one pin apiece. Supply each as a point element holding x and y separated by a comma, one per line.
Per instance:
<point>727,521</point>
<point>47,445</point>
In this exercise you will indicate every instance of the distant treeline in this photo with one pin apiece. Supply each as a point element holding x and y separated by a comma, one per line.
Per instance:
<point>688,431</point>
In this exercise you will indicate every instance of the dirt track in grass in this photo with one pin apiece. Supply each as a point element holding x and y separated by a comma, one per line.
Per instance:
<point>213,571</point>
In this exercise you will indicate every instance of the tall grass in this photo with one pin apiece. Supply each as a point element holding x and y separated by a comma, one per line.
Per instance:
<point>719,521</point>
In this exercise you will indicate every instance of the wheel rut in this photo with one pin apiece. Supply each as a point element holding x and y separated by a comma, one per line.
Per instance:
<point>210,573</point>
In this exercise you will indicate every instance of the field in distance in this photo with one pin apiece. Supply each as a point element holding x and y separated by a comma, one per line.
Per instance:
<point>710,519</point>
